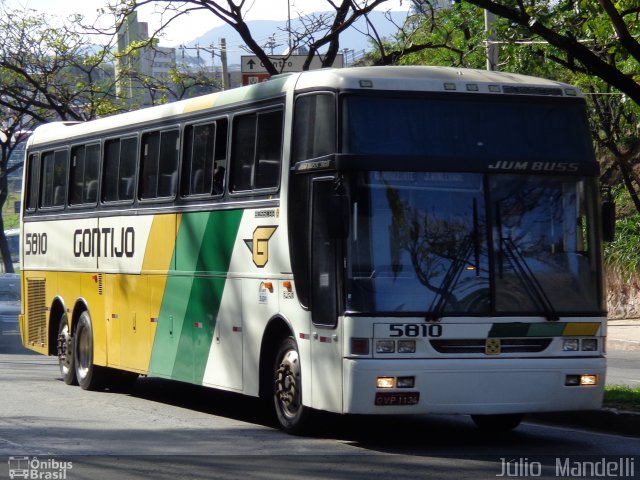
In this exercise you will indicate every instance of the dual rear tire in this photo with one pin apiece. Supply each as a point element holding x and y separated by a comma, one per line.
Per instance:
<point>75,358</point>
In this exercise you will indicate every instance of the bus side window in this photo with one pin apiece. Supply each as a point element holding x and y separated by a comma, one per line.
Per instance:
<point>32,182</point>
<point>159,170</point>
<point>119,169</point>
<point>91,171</point>
<point>256,151</point>
<point>314,127</point>
<point>242,152</point>
<point>197,164</point>
<point>220,156</point>
<point>54,179</point>
<point>268,150</point>
<point>76,177</point>
<point>83,178</point>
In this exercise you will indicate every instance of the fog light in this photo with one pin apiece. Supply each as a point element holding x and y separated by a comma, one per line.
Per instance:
<point>406,382</point>
<point>572,380</point>
<point>406,346</point>
<point>589,345</point>
<point>359,346</point>
<point>386,382</point>
<point>588,379</point>
<point>385,346</point>
<point>570,345</point>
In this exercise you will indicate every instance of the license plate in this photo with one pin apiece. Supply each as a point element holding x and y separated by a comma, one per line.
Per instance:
<point>387,399</point>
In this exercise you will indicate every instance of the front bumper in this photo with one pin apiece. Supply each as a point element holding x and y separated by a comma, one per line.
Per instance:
<point>476,386</point>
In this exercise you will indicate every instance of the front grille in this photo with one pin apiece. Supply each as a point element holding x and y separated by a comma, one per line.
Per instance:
<point>36,312</point>
<point>507,345</point>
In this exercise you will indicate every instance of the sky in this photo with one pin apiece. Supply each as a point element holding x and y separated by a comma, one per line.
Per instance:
<point>189,27</point>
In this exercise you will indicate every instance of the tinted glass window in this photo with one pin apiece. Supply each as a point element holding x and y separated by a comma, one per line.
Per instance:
<point>314,130</point>
<point>32,182</point>
<point>205,158</point>
<point>159,164</point>
<point>83,184</point>
<point>268,149</point>
<point>119,169</point>
<point>243,152</point>
<point>256,152</point>
<point>54,175</point>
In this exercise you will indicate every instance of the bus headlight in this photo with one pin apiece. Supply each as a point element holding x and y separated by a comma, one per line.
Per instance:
<point>570,345</point>
<point>385,346</point>
<point>589,345</point>
<point>406,346</point>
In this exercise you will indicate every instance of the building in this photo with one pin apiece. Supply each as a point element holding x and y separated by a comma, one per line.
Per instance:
<point>142,66</point>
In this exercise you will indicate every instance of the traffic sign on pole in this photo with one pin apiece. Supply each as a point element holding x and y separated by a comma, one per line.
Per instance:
<point>284,63</point>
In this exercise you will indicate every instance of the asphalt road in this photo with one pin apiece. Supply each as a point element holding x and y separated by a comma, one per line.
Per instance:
<point>166,429</point>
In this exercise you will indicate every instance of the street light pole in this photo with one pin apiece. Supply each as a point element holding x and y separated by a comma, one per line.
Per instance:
<point>492,45</point>
<point>289,24</point>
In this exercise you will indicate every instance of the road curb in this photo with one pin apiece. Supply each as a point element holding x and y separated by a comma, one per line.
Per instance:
<point>610,420</point>
<point>626,345</point>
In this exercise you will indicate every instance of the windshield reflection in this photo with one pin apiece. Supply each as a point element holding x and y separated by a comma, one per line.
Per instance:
<point>420,245</point>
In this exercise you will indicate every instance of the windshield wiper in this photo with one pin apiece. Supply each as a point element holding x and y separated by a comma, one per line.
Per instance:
<point>528,278</point>
<point>450,279</point>
<point>470,243</point>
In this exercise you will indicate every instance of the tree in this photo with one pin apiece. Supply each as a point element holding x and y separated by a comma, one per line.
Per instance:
<point>320,30</point>
<point>597,42</point>
<point>47,72</point>
<point>14,129</point>
<point>54,73</point>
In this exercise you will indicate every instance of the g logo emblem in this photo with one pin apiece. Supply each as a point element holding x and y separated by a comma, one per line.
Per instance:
<point>259,245</point>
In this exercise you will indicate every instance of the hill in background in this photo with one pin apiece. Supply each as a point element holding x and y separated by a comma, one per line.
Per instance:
<point>264,31</point>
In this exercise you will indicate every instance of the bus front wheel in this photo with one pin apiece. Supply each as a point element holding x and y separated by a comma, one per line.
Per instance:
<point>292,415</point>
<point>90,376</point>
<point>65,352</point>
<point>498,423</point>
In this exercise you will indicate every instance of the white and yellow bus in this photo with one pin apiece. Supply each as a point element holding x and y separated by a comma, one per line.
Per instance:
<point>384,240</point>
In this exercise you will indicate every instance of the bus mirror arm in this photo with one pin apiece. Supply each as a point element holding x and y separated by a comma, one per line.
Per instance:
<point>608,220</point>
<point>338,216</point>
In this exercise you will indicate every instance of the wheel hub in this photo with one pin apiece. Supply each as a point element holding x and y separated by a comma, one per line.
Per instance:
<point>286,384</point>
<point>64,349</point>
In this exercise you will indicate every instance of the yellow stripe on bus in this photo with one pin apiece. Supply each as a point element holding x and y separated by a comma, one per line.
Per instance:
<point>575,329</point>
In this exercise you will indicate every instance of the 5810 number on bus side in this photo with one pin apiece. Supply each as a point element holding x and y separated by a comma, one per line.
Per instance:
<point>415,330</point>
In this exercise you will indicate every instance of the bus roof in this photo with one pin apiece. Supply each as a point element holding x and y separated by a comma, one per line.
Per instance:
<point>397,78</point>
<point>434,79</point>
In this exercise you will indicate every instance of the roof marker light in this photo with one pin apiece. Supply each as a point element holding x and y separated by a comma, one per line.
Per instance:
<point>449,86</point>
<point>472,87</point>
<point>366,84</point>
<point>494,88</point>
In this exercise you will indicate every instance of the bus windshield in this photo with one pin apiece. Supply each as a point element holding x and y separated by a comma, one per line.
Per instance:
<point>470,243</point>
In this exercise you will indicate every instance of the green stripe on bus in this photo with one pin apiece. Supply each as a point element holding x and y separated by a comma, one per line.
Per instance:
<point>193,293</point>
<point>554,329</point>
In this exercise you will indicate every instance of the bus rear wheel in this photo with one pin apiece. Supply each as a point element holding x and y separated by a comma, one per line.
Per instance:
<point>498,423</point>
<point>65,352</point>
<point>292,415</point>
<point>90,376</point>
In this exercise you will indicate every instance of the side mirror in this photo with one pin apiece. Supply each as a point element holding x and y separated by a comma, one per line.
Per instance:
<point>608,221</point>
<point>338,216</point>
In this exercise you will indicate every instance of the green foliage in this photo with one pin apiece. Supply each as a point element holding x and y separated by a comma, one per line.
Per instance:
<point>619,396</point>
<point>622,254</point>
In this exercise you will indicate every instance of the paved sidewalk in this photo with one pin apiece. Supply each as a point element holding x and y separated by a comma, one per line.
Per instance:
<point>623,335</point>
